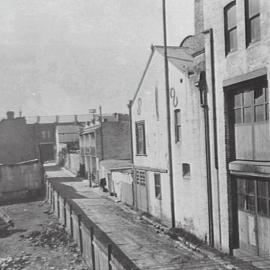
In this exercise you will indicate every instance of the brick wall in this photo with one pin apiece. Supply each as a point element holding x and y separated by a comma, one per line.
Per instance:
<point>116,140</point>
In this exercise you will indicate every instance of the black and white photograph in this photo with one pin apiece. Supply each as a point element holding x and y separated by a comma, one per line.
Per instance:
<point>134,134</point>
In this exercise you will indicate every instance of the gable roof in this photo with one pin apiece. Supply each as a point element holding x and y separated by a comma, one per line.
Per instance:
<point>180,57</point>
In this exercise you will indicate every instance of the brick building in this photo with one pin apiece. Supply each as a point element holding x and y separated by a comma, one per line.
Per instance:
<point>108,139</point>
<point>237,48</point>
<point>16,140</point>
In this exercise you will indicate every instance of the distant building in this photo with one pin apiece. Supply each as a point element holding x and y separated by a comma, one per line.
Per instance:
<point>16,140</point>
<point>102,140</point>
<point>67,139</point>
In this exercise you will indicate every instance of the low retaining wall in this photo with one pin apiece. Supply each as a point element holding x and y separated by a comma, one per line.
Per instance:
<point>96,247</point>
<point>20,181</point>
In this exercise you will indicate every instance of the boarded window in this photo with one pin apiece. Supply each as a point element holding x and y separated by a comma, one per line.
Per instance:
<point>177,125</point>
<point>157,186</point>
<point>140,138</point>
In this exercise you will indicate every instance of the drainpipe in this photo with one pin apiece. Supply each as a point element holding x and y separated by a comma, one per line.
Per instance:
<point>167,88</point>
<point>213,83</point>
<point>204,105</point>
<point>131,137</point>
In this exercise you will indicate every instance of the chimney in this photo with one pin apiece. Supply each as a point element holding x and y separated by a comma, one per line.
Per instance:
<point>198,16</point>
<point>10,115</point>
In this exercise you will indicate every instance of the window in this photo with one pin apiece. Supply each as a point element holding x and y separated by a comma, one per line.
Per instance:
<point>230,27</point>
<point>177,125</point>
<point>252,10</point>
<point>157,186</point>
<point>251,121</point>
<point>186,170</point>
<point>140,177</point>
<point>254,196</point>
<point>140,138</point>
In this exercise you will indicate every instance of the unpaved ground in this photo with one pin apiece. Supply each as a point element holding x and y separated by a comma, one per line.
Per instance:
<point>37,241</point>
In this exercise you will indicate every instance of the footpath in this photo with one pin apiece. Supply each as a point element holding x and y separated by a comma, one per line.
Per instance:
<point>113,237</point>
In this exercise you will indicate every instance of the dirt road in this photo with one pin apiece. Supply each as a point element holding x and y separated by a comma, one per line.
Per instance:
<point>36,241</point>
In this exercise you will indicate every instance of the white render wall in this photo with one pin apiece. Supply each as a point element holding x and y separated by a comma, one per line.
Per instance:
<point>191,210</point>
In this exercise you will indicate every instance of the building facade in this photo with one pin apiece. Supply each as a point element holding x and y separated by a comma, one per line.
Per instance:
<point>237,66</point>
<point>16,141</point>
<point>108,139</point>
<point>153,192</point>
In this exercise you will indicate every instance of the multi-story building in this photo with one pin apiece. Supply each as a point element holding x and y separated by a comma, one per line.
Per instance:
<point>104,140</point>
<point>237,35</point>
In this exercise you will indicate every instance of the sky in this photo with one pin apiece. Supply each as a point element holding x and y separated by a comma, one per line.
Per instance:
<point>69,56</point>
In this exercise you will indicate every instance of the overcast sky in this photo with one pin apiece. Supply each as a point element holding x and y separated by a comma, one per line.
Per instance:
<point>67,56</point>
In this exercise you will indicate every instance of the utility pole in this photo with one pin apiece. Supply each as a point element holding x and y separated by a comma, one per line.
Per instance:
<point>167,89</point>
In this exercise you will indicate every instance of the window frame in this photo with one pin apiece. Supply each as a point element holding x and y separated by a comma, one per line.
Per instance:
<point>140,152</point>
<point>248,20</point>
<point>228,30</point>
<point>177,125</point>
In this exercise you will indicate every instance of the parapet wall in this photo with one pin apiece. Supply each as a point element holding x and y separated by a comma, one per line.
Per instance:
<point>20,181</point>
<point>99,251</point>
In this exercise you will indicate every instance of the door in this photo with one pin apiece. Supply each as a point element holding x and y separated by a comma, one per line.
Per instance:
<point>141,194</point>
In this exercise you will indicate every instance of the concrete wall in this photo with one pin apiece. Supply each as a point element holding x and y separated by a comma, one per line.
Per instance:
<point>191,204</point>
<point>153,112</point>
<point>239,62</point>
<point>190,194</point>
<point>20,181</point>
<point>16,141</point>
<point>98,250</point>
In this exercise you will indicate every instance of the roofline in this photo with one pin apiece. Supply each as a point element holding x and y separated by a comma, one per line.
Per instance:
<point>144,73</point>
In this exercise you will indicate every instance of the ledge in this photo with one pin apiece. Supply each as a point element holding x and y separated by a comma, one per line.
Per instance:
<point>250,168</point>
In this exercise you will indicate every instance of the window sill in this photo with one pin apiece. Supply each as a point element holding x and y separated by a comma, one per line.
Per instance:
<point>141,155</point>
<point>231,53</point>
<point>253,44</point>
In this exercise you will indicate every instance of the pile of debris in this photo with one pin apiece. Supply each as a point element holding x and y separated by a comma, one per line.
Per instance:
<point>51,236</point>
<point>15,263</point>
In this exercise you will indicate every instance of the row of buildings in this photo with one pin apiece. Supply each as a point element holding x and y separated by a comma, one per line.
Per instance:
<point>203,167</point>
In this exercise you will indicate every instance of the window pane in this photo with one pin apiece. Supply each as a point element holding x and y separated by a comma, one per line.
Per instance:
<point>266,94</point>
<point>255,32</point>
<point>250,203</point>
<point>238,100</point>
<point>259,113</point>
<point>157,185</point>
<point>262,188</point>
<point>248,98</point>
<point>241,186</point>
<point>140,138</point>
<point>262,206</point>
<point>231,17</point>
<point>238,116</point>
<point>266,112</point>
<point>233,39</point>
<point>250,187</point>
<point>241,202</point>
<point>253,7</point>
<point>248,115</point>
<point>259,95</point>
